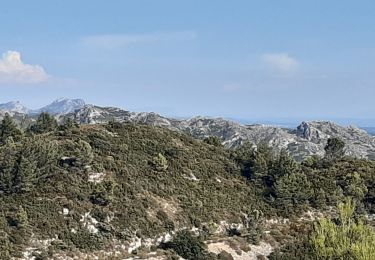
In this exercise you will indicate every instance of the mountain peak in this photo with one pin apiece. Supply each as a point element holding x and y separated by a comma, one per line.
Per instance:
<point>64,99</point>
<point>60,100</point>
<point>63,106</point>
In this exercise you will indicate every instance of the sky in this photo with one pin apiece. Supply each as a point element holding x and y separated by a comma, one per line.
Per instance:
<point>243,59</point>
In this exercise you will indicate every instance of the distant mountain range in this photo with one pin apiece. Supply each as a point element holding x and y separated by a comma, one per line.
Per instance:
<point>57,107</point>
<point>14,107</point>
<point>308,138</point>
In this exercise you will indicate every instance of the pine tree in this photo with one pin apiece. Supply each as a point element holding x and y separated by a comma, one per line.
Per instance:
<point>8,129</point>
<point>68,124</point>
<point>21,218</point>
<point>5,246</point>
<point>335,149</point>
<point>292,191</point>
<point>213,140</point>
<point>44,124</point>
<point>25,162</point>
<point>25,174</point>
<point>261,162</point>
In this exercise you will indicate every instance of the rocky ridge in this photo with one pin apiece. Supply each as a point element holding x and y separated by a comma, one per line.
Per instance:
<point>58,107</point>
<point>309,138</point>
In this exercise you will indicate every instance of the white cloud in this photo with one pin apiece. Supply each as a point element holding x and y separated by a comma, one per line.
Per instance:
<point>13,70</point>
<point>111,41</point>
<point>281,62</point>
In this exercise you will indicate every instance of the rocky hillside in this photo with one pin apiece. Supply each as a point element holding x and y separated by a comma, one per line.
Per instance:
<point>309,138</point>
<point>135,191</point>
<point>113,189</point>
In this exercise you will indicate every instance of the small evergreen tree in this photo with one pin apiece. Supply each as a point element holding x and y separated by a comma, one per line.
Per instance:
<point>261,162</point>
<point>103,192</point>
<point>25,173</point>
<point>335,149</point>
<point>5,246</point>
<point>8,129</point>
<point>68,124</point>
<point>292,191</point>
<point>21,218</point>
<point>213,140</point>
<point>243,157</point>
<point>25,162</point>
<point>284,164</point>
<point>44,124</point>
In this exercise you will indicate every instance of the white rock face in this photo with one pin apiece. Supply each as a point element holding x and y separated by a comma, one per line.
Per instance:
<point>96,177</point>
<point>164,238</point>
<point>65,211</point>
<point>89,222</point>
<point>191,177</point>
<point>263,249</point>
<point>36,246</point>
<point>134,244</point>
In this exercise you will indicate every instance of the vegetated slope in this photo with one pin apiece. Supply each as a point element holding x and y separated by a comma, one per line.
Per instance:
<point>131,179</point>
<point>115,188</point>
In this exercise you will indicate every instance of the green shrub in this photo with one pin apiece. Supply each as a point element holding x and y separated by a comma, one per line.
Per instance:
<point>188,246</point>
<point>213,140</point>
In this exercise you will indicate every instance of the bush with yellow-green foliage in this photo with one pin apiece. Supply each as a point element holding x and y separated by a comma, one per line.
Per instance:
<point>347,239</point>
<point>160,162</point>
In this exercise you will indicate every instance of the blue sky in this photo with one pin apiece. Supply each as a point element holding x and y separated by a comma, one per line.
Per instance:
<point>240,59</point>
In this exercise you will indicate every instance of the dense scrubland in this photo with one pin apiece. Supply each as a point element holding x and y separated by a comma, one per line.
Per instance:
<point>86,188</point>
